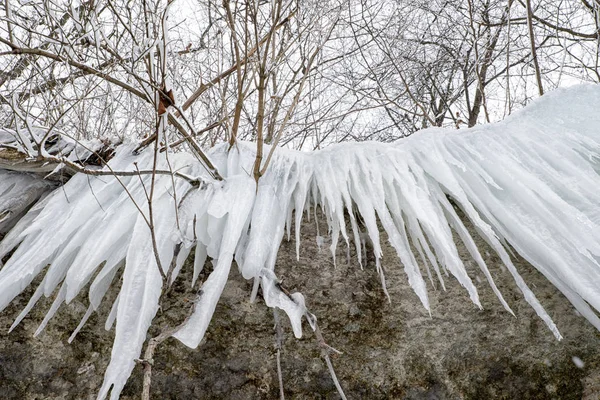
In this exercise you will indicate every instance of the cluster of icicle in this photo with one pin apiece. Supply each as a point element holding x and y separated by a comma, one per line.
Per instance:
<point>531,181</point>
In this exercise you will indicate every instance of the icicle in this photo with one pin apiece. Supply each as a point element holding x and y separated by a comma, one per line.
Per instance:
<point>86,316</point>
<point>34,299</point>
<point>112,315</point>
<point>138,303</point>
<point>103,280</point>
<point>233,209</point>
<point>58,300</point>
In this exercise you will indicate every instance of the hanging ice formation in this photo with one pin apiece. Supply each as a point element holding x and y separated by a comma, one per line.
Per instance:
<point>531,181</point>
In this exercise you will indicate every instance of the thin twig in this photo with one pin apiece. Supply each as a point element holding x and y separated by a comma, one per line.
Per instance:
<point>43,53</point>
<point>148,360</point>
<point>278,340</point>
<point>321,343</point>
<point>151,207</point>
<point>99,172</point>
<point>204,87</point>
<point>193,134</point>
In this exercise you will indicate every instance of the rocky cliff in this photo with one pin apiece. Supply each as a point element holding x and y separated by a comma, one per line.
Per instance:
<point>391,350</point>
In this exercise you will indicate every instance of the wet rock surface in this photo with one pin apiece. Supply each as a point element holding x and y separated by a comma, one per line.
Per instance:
<point>392,350</point>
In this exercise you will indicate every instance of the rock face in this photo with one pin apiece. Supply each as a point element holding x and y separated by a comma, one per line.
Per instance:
<point>391,350</point>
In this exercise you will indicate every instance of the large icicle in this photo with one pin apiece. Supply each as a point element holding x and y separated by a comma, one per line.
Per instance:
<point>233,203</point>
<point>138,303</point>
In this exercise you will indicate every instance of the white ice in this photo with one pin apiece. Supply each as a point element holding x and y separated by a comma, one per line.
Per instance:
<point>530,181</point>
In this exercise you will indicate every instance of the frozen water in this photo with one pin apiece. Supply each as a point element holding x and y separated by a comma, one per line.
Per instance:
<point>530,181</point>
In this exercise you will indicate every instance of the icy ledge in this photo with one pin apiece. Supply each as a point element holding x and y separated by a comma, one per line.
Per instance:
<point>531,181</point>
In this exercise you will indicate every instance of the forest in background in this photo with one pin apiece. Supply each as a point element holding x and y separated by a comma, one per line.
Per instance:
<point>301,74</point>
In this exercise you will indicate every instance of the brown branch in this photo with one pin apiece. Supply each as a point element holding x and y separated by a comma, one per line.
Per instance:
<point>559,28</point>
<point>538,75</point>
<point>93,172</point>
<point>193,134</point>
<point>296,98</point>
<point>205,86</point>
<point>195,146</point>
<point>172,120</point>
<point>14,160</point>
<point>187,137</point>
<point>23,63</point>
<point>321,343</point>
<point>278,341</point>
<point>148,360</point>
<point>83,67</point>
